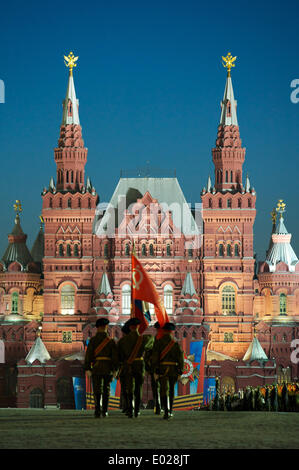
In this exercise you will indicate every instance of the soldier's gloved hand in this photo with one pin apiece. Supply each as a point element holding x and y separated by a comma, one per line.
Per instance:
<point>89,374</point>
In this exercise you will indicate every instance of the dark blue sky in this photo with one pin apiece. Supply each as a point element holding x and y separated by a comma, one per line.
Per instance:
<point>150,81</point>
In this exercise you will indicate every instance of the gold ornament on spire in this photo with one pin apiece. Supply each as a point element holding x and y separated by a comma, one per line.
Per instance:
<point>229,62</point>
<point>70,62</point>
<point>281,207</point>
<point>274,216</point>
<point>17,206</point>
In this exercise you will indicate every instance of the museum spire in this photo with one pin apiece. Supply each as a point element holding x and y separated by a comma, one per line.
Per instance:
<point>70,155</point>
<point>228,154</point>
<point>71,104</point>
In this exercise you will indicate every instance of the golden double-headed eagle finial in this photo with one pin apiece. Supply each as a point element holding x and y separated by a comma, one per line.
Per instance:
<point>229,62</point>
<point>70,62</point>
<point>17,206</point>
<point>281,207</point>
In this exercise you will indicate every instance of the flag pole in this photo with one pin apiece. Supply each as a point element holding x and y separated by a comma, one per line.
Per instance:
<point>132,303</point>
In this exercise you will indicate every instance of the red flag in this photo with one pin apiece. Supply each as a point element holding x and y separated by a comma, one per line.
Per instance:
<point>143,290</point>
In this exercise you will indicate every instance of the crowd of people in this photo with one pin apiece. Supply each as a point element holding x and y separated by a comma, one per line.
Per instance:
<point>275,397</point>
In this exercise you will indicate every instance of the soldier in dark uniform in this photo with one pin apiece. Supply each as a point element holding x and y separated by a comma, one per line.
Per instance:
<point>155,384</point>
<point>131,354</point>
<point>168,363</point>
<point>121,374</point>
<point>101,364</point>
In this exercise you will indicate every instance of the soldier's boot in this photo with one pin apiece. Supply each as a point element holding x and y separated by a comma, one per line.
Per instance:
<point>165,403</point>
<point>171,405</point>
<point>105,405</point>
<point>125,403</point>
<point>98,404</point>
<point>137,407</point>
<point>158,405</point>
<point>130,411</point>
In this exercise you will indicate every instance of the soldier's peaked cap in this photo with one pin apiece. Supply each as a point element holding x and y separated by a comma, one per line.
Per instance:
<point>133,322</point>
<point>169,326</point>
<point>125,329</point>
<point>102,322</point>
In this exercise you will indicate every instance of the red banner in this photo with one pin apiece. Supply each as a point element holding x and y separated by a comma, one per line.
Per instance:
<point>144,290</point>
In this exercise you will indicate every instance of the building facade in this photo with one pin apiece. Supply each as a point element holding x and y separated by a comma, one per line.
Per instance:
<point>201,261</point>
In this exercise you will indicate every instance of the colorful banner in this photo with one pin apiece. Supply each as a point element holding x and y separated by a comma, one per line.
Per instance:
<point>79,393</point>
<point>192,377</point>
<point>209,391</point>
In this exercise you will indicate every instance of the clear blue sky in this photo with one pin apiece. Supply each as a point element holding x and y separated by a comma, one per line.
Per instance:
<point>150,81</point>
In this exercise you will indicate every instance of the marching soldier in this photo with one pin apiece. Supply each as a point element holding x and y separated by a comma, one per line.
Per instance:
<point>131,350</point>
<point>168,363</point>
<point>121,374</point>
<point>154,383</point>
<point>101,364</point>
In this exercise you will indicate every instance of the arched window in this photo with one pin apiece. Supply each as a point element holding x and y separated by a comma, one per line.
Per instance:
<point>284,374</point>
<point>231,176</point>
<point>67,299</point>
<point>210,203</point>
<point>226,176</point>
<point>190,252</point>
<point>229,250</point>
<point>106,252</point>
<point>151,249</point>
<point>168,298</point>
<point>236,250</point>
<point>220,203</point>
<point>228,337</point>
<point>127,249</point>
<point>61,249</point>
<point>229,203</point>
<point>76,250</point>
<point>168,250</point>
<point>69,202</point>
<point>67,177</point>
<point>143,249</point>
<point>228,301</point>
<point>221,252</point>
<point>282,304</point>
<point>126,299</point>
<point>249,202</point>
<point>239,203</point>
<point>68,250</point>
<point>14,302</point>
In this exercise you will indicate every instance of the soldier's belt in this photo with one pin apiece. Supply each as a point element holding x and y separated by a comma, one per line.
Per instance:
<point>138,359</point>
<point>169,363</point>
<point>103,358</point>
